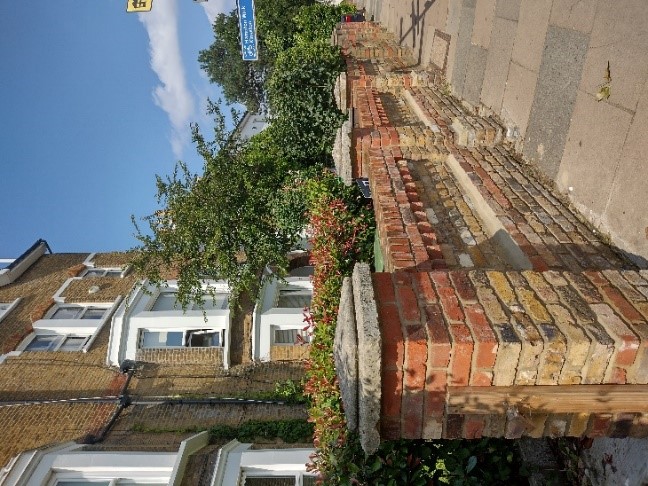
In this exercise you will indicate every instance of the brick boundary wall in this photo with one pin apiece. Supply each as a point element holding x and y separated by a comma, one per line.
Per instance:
<point>212,356</point>
<point>472,353</point>
<point>293,352</point>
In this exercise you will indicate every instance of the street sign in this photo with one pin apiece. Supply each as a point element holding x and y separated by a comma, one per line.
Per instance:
<point>247,27</point>
<point>139,5</point>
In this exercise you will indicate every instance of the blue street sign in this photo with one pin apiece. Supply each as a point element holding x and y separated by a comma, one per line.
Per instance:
<point>247,26</point>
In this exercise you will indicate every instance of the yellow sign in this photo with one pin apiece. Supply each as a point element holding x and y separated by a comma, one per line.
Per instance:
<point>139,5</point>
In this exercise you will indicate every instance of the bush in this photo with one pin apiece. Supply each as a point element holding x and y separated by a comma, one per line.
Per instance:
<point>300,94</point>
<point>287,430</point>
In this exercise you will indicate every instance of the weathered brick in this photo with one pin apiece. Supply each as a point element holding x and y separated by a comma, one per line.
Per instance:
<point>532,346</point>
<point>439,344</point>
<point>502,288</point>
<point>484,337</point>
<point>461,356</point>
<point>599,424</point>
<point>626,342</point>
<point>473,426</point>
<point>577,345</point>
<point>463,286</point>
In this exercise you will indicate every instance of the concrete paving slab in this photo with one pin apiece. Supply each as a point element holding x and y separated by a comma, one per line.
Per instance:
<point>508,9</point>
<point>497,64</point>
<point>626,215</point>
<point>475,74</point>
<point>518,97</point>
<point>531,32</point>
<point>620,37</point>
<point>453,20</point>
<point>592,151</point>
<point>555,96</point>
<point>462,52</point>
<point>484,14</point>
<point>573,14</point>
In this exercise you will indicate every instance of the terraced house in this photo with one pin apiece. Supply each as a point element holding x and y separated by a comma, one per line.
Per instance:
<point>103,378</point>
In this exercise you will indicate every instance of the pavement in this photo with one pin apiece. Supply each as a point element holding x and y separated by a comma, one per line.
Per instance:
<point>538,66</point>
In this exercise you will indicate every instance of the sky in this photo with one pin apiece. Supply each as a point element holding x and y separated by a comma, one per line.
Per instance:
<point>94,102</point>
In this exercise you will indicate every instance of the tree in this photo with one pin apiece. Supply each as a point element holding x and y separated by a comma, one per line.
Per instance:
<point>300,95</point>
<point>242,81</point>
<point>224,223</point>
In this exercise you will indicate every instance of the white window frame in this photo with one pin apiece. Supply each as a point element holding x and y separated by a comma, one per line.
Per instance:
<point>115,272</point>
<point>57,343</point>
<point>299,332</point>
<point>207,299</point>
<point>185,337</point>
<point>294,291</point>
<point>7,307</point>
<point>83,310</point>
<point>297,475</point>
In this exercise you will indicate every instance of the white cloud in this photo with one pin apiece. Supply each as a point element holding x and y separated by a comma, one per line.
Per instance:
<point>172,94</point>
<point>214,7</point>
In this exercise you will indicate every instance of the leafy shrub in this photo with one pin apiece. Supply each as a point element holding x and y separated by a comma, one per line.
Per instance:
<point>300,94</point>
<point>316,22</point>
<point>287,430</point>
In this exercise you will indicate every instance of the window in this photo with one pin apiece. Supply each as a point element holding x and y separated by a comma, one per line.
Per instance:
<point>6,307</point>
<point>291,336</point>
<point>103,272</point>
<point>56,342</point>
<point>167,300</point>
<point>294,298</point>
<point>77,312</point>
<point>194,338</point>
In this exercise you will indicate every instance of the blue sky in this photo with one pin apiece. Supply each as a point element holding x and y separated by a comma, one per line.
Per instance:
<point>94,102</point>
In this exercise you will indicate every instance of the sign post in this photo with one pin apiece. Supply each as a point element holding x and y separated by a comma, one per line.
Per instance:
<point>247,27</point>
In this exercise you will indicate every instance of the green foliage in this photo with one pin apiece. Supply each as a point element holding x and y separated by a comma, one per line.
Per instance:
<point>316,22</point>
<point>242,81</point>
<point>340,226</point>
<point>287,430</point>
<point>300,96</point>
<point>222,224</point>
<point>421,463</point>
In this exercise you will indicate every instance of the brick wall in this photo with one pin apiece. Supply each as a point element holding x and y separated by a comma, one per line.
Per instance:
<point>479,328</point>
<point>213,356</point>
<point>458,323</point>
<point>289,353</point>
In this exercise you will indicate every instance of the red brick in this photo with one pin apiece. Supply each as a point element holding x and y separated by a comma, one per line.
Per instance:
<point>392,336</point>
<point>416,354</point>
<point>463,286</point>
<point>461,358</point>
<point>481,378</point>
<point>599,424</point>
<point>408,304</point>
<point>383,287</point>
<point>424,288</point>
<point>485,339</point>
<point>621,304</point>
<point>439,338</point>
<point>454,426</point>
<point>618,376</point>
<point>539,264</point>
<point>473,427</point>
<point>391,392</point>
<point>390,428</point>
<point>450,304</point>
<point>412,415</point>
